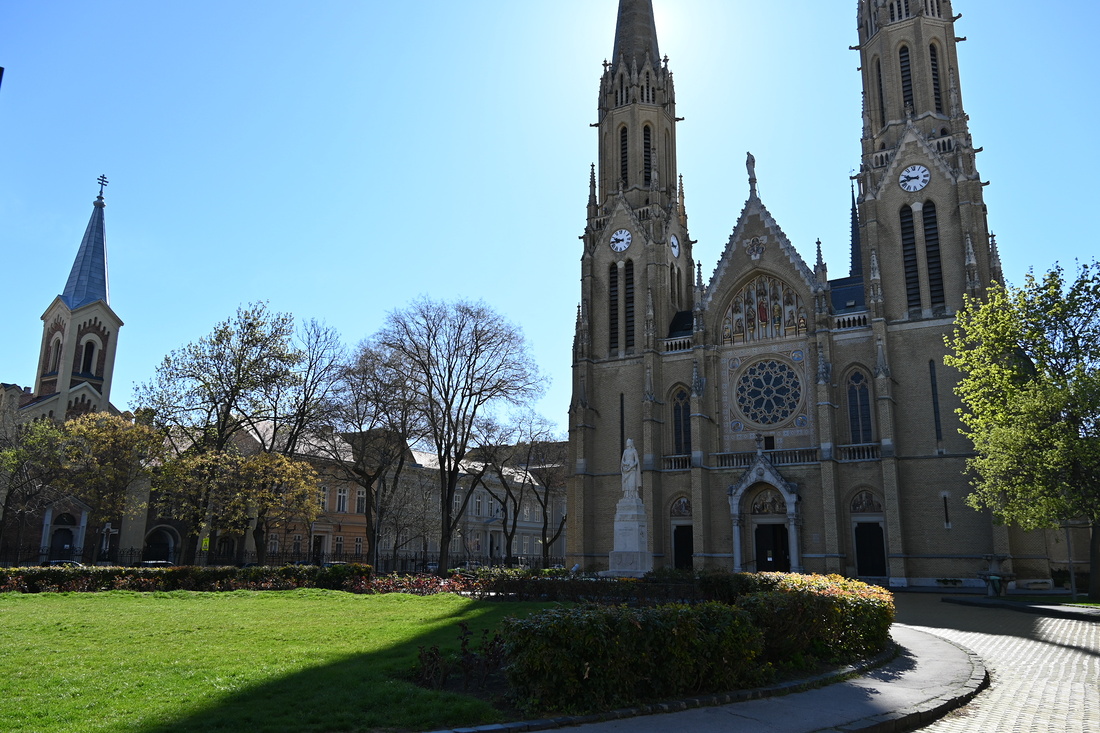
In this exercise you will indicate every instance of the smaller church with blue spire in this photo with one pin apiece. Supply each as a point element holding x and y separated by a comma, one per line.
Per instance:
<point>79,337</point>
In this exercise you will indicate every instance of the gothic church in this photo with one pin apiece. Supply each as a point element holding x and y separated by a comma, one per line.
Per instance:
<point>786,420</point>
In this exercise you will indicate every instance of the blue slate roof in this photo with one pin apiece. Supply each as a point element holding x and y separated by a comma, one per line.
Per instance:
<point>87,281</point>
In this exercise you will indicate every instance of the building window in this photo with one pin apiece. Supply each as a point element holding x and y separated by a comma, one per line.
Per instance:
<point>339,544</point>
<point>629,304</point>
<point>881,94</point>
<point>624,169</point>
<point>273,544</point>
<point>934,62</point>
<point>89,358</point>
<point>526,544</point>
<point>55,356</point>
<point>681,423</point>
<point>477,505</point>
<point>859,408</point>
<point>527,512</point>
<point>906,77</point>
<point>324,498</point>
<point>932,249</point>
<point>492,507</point>
<point>613,306</point>
<point>361,501</point>
<point>297,544</point>
<point>358,546</point>
<point>909,257</point>
<point>342,500</point>
<point>935,398</point>
<point>458,504</point>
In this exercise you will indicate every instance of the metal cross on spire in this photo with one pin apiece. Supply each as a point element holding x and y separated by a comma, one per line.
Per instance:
<point>102,181</point>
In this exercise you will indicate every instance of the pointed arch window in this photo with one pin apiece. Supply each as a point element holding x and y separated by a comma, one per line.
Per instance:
<point>628,297</point>
<point>859,408</point>
<point>647,154</point>
<point>613,307</point>
<point>906,77</point>
<point>881,94</point>
<point>909,258</point>
<point>934,62</point>
<point>681,422</point>
<point>932,250</point>
<point>624,169</point>
<point>55,355</point>
<point>88,362</point>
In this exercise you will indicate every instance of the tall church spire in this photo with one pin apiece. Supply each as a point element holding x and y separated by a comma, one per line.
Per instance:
<point>635,34</point>
<point>857,246</point>
<point>87,281</point>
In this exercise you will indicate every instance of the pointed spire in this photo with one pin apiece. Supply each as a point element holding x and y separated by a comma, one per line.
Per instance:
<point>680,202</point>
<point>857,244</point>
<point>87,281</point>
<point>750,164</point>
<point>635,34</point>
<point>995,260</point>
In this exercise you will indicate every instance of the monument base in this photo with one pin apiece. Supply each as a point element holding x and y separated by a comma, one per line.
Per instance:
<point>630,558</point>
<point>627,564</point>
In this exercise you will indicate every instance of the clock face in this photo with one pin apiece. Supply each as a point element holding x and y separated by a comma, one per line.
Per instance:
<point>914,178</point>
<point>620,240</point>
<point>674,245</point>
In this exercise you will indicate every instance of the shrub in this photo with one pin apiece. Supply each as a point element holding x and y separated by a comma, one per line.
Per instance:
<point>809,617</point>
<point>599,657</point>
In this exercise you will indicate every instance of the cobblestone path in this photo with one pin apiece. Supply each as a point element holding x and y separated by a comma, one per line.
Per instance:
<point>1044,672</point>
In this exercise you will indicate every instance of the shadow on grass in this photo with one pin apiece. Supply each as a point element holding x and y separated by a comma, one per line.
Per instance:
<point>359,693</point>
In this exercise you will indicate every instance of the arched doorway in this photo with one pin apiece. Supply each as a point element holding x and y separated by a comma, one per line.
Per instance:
<point>62,539</point>
<point>771,540</point>
<point>160,544</point>
<point>683,535</point>
<point>868,536</point>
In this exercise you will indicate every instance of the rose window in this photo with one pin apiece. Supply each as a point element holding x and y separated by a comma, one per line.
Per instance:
<point>768,392</point>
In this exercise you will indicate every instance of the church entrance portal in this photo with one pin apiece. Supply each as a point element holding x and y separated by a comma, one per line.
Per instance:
<point>772,549</point>
<point>682,546</point>
<point>870,550</point>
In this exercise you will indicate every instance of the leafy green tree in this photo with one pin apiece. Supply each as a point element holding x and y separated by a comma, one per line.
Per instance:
<point>30,463</point>
<point>206,392</point>
<point>1030,363</point>
<point>105,460</point>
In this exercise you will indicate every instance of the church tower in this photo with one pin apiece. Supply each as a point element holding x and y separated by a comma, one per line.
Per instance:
<point>926,244</point>
<point>79,334</point>
<point>920,195</point>
<point>636,263</point>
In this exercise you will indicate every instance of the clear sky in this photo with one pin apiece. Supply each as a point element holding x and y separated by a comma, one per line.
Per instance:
<point>339,158</point>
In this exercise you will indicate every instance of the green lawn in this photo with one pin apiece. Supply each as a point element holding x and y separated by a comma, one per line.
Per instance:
<point>307,660</point>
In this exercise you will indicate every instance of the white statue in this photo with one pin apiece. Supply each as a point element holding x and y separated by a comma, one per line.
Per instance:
<point>631,477</point>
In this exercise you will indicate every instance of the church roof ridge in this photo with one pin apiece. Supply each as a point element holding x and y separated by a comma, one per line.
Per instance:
<point>88,281</point>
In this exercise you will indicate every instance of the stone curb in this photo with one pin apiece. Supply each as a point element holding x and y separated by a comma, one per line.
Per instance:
<point>702,701</point>
<point>927,712</point>
<point>1062,612</point>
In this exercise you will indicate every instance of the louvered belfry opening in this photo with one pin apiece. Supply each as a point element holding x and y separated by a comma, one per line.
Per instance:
<point>932,250</point>
<point>629,293</point>
<point>613,307</point>
<point>909,257</point>
<point>906,77</point>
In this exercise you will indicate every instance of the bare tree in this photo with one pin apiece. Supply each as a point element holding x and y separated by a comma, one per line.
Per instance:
<point>463,359</point>
<point>374,420</point>
<point>546,461</point>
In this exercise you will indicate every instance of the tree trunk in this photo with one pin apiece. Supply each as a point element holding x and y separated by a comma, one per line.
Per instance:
<point>1094,562</point>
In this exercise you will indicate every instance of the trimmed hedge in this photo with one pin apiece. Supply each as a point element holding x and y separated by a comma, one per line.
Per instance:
<point>598,657</point>
<point>823,617</point>
<point>184,577</point>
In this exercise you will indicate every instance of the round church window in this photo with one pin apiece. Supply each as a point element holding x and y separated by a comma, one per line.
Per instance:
<point>768,392</point>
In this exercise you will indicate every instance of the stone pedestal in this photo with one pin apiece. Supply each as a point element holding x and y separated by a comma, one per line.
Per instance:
<point>631,557</point>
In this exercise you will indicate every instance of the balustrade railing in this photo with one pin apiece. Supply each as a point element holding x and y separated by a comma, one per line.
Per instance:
<point>858,452</point>
<point>677,463</point>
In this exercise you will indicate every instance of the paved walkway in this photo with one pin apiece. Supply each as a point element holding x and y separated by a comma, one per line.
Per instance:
<point>1045,672</point>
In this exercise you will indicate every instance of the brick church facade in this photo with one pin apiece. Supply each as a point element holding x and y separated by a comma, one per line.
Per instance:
<point>788,420</point>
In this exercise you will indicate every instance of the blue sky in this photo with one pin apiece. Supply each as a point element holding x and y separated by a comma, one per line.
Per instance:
<point>339,158</point>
